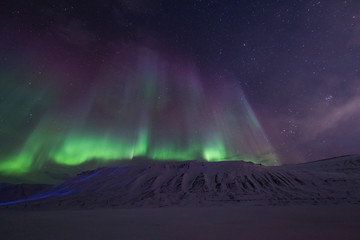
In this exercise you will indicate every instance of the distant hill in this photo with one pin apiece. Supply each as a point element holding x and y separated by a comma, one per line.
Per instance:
<point>159,184</point>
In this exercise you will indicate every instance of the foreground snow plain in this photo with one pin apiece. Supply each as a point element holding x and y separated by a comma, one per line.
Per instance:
<point>335,222</point>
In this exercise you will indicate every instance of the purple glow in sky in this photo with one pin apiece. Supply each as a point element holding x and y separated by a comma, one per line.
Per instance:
<point>264,81</point>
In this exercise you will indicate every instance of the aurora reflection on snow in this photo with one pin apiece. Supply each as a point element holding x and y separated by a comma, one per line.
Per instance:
<point>141,104</point>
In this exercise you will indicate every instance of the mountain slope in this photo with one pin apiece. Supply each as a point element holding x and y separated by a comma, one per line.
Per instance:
<point>206,183</point>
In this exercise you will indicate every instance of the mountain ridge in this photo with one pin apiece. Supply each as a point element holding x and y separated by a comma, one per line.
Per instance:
<point>160,184</point>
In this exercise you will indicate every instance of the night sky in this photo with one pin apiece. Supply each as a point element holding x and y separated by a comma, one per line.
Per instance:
<point>270,82</point>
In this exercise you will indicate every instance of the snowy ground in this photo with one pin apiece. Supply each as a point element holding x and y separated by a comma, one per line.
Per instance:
<point>191,200</point>
<point>241,222</point>
<point>194,183</point>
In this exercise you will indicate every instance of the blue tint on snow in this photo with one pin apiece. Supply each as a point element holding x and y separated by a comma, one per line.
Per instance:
<point>60,192</point>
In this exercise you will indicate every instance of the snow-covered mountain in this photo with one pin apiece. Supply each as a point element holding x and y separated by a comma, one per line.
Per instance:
<point>157,184</point>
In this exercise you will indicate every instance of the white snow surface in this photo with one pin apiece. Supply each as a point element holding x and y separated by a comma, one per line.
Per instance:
<point>193,183</point>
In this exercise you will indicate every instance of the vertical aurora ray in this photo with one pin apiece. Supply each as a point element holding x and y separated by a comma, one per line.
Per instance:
<point>141,105</point>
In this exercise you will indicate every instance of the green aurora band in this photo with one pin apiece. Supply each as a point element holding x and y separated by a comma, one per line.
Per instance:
<point>143,105</point>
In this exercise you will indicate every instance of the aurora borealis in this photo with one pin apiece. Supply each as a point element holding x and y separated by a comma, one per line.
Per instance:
<point>143,105</point>
<point>103,82</point>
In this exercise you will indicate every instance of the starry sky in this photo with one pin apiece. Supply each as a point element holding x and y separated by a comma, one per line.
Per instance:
<point>270,82</point>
